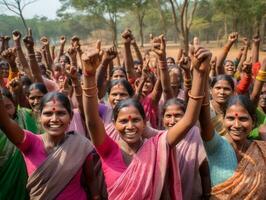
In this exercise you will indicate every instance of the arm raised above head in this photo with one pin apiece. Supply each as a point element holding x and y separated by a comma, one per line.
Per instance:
<point>201,64</point>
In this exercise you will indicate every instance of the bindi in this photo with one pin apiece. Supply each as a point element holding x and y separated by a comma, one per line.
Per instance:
<point>54,102</point>
<point>236,114</point>
<point>129,117</point>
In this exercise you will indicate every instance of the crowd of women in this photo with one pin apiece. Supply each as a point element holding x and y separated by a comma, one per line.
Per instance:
<point>98,124</point>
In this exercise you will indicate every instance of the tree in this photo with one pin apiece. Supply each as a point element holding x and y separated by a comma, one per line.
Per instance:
<point>17,7</point>
<point>104,9</point>
<point>186,13</point>
<point>139,8</point>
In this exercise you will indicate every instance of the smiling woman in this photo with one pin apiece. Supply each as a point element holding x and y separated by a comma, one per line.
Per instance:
<point>42,153</point>
<point>134,168</point>
<point>237,165</point>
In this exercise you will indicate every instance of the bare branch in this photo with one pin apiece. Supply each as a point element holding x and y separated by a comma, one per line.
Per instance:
<point>28,3</point>
<point>192,13</point>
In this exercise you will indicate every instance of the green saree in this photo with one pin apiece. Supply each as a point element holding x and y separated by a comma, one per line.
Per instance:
<point>13,173</point>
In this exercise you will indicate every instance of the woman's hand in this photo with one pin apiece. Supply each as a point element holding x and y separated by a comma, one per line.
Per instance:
<point>28,40</point>
<point>10,56</point>
<point>109,55</point>
<point>91,61</point>
<point>16,35</point>
<point>200,59</point>
<point>159,47</point>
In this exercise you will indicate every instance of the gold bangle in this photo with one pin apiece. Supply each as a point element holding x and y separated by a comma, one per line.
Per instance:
<point>78,95</point>
<point>89,88</point>
<point>195,97</point>
<point>89,95</point>
<point>205,104</point>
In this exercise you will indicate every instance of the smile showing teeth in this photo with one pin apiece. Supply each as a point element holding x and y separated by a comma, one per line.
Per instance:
<point>55,125</point>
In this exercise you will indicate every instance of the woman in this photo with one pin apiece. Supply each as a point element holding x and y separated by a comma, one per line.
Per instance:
<point>117,90</point>
<point>222,87</point>
<point>43,153</point>
<point>12,166</point>
<point>237,168</point>
<point>131,164</point>
<point>191,155</point>
<point>35,92</point>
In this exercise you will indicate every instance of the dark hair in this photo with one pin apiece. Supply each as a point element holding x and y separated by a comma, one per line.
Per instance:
<point>229,61</point>
<point>244,101</point>
<point>174,101</point>
<point>6,93</point>
<point>63,99</point>
<point>122,82</point>
<point>224,77</point>
<point>136,62</point>
<point>4,63</point>
<point>25,80</point>
<point>126,103</point>
<point>66,58</point>
<point>38,86</point>
<point>170,58</point>
<point>119,68</point>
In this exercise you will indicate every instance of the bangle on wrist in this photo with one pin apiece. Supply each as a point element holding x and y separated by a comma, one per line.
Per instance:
<point>205,104</point>
<point>195,97</point>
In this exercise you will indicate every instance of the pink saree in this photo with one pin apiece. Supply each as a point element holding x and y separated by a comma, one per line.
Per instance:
<point>145,177</point>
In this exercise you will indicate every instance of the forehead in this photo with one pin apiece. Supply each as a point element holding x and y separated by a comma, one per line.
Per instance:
<point>119,72</point>
<point>118,88</point>
<point>35,92</point>
<point>53,104</point>
<point>222,83</point>
<point>237,108</point>
<point>173,109</point>
<point>129,111</point>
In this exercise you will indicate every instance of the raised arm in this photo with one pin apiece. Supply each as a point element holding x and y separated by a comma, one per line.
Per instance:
<point>61,48</point>
<point>244,54</point>
<point>16,37</point>
<point>201,63</point>
<point>255,49</point>
<point>101,74</point>
<point>137,51</point>
<point>164,75</point>
<point>129,65</point>
<point>221,58</point>
<point>91,61</point>
<point>207,129</point>
<point>46,45</point>
<point>14,133</point>
<point>258,84</point>
<point>29,44</point>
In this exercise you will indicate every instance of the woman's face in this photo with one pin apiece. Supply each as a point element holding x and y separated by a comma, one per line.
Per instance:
<point>229,68</point>
<point>117,93</point>
<point>147,87</point>
<point>9,106</point>
<point>34,99</point>
<point>55,118</point>
<point>262,101</point>
<point>175,80</point>
<point>130,124</point>
<point>221,91</point>
<point>238,122</point>
<point>172,115</point>
<point>4,70</point>
<point>118,74</point>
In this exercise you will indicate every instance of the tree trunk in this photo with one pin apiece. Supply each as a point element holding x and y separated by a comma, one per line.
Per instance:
<point>22,18</point>
<point>225,27</point>
<point>262,30</point>
<point>162,17</point>
<point>114,32</point>
<point>140,22</point>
